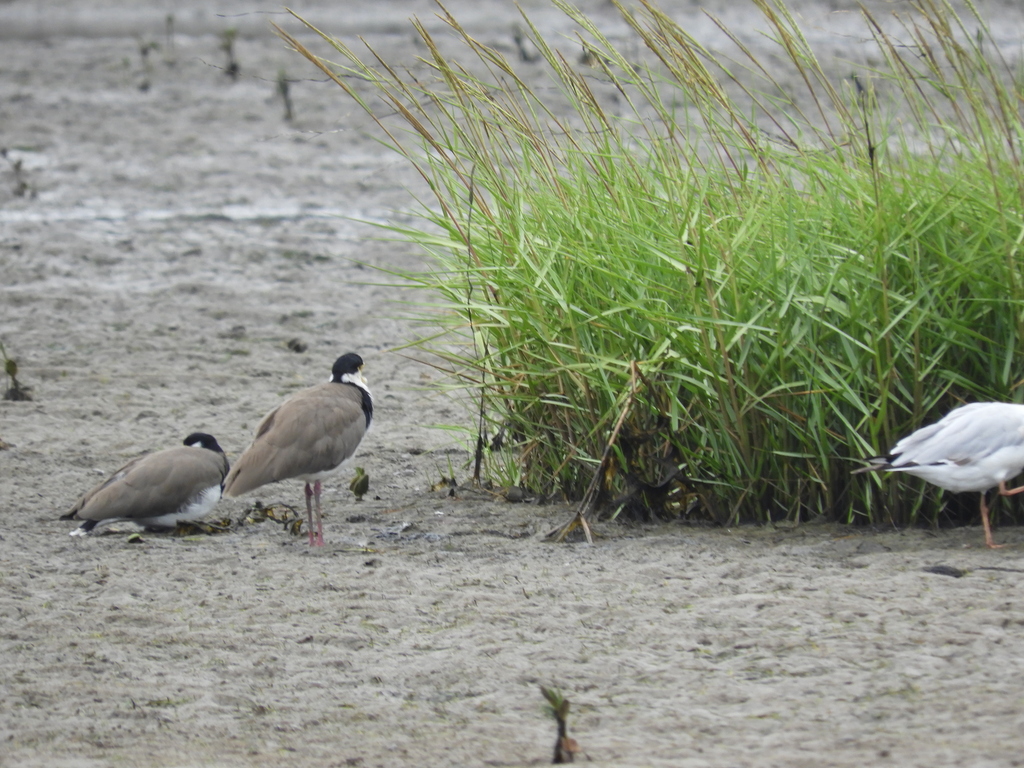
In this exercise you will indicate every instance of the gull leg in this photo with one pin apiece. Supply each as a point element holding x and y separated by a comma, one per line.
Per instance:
<point>984,519</point>
<point>319,519</point>
<point>309,512</point>
<point>1003,491</point>
<point>1011,492</point>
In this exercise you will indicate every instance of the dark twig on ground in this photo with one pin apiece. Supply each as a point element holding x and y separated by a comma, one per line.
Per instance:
<point>227,44</point>
<point>565,747</point>
<point>21,186</point>
<point>16,391</point>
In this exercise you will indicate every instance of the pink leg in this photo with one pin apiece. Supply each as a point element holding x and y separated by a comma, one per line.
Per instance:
<point>989,542</point>
<point>1003,491</point>
<point>309,512</point>
<point>1011,492</point>
<point>319,520</point>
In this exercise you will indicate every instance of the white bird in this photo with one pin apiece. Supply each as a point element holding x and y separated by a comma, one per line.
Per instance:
<point>157,490</point>
<point>975,447</point>
<point>308,436</point>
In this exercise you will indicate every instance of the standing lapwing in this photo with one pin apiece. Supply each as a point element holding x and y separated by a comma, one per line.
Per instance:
<point>308,436</point>
<point>157,490</point>
<point>976,447</point>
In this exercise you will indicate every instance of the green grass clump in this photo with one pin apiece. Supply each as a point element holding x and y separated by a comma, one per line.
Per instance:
<point>677,286</point>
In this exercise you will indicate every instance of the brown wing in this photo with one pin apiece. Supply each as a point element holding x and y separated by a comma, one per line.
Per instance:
<point>86,498</point>
<point>313,431</point>
<point>153,485</point>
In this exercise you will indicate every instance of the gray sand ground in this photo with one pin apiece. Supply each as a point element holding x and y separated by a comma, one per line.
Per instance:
<point>174,240</point>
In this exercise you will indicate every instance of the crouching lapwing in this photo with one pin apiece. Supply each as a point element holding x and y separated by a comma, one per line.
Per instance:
<point>157,490</point>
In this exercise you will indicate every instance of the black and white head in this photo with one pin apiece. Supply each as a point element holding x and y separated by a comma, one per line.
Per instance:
<point>203,440</point>
<point>348,369</point>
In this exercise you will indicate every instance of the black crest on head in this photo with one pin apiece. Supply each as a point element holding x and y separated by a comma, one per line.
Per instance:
<point>206,441</point>
<point>348,363</point>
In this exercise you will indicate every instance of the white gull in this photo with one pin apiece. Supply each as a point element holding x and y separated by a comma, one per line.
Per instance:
<point>975,447</point>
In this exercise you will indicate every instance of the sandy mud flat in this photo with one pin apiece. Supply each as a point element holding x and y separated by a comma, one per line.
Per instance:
<point>169,242</point>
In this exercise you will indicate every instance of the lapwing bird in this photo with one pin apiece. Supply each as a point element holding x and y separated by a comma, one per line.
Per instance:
<point>308,436</point>
<point>975,447</point>
<point>157,490</point>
